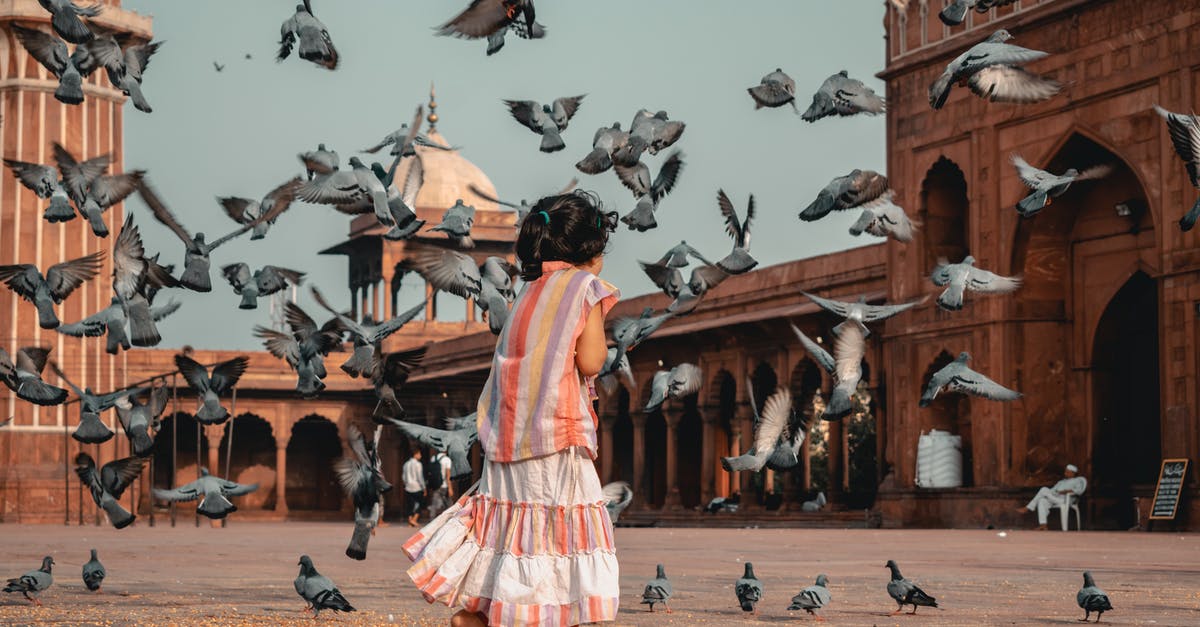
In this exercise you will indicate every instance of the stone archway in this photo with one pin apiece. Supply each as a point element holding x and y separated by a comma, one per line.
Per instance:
<point>182,427</point>
<point>951,413</point>
<point>314,446</point>
<point>253,458</point>
<point>944,212</point>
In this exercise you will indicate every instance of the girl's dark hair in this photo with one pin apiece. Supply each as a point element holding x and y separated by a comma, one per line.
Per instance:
<point>570,227</point>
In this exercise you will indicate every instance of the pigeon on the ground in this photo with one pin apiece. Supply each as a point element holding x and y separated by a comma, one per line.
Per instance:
<point>957,278</point>
<point>682,380</point>
<point>739,260</point>
<point>1047,186</point>
<point>263,282</point>
<point>304,348</point>
<point>846,192</point>
<point>138,417</point>
<point>46,291</point>
<point>124,66</point>
<point>606,141</point>
<point>524,207</point>
<point>813,597</point>
<point>815,505</point>
<point>771,437</point>
<point>456,224</point>
<point>362,479</point>
<point>136,279</point>
<point>749,590</point>
<point>321,161</point>
<point>368,337</point>
<point>955,13</point>
<point>224,378</point>
<point>455,443</point>
<point>24,376</point>
<point>484,18</point>
<point>774,90</point>
<point>649,193</point>
<point>992,69</point>
<point>1092,599</point>
<point>246,210</point>
<point>318,590</point>
<point>549,120</point>
<point>1185,136</point>
<point>52,53</point>
<point>108,484</point>
<point>956,376</point>
<point>64,18</point>
<point>658,590</point>
<point>315,43</point>
<point>906,592</point>
<point>33,582</point>
<point>618,495</point>
<point>882,217</point>
<point>91,429</point>
<point>213,493</point>
<point>649,132</point>
<point>93,573</point>
<point>196,275</point>
<point>843,96</point>
<point>391,372</point>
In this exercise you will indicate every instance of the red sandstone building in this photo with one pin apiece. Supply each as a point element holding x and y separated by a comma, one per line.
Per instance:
<point>1101,339</point>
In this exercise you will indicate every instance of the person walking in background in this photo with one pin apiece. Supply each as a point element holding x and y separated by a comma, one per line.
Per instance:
<point>438,484</point>
<point>413,475</point>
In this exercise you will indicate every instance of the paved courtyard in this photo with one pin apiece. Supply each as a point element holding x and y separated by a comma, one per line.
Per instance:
<point>242,575</point>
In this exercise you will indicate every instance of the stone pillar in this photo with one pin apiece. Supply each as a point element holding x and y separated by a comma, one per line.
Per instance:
<point>353,303</point>
<point>214,460</point>
<point>745,418</point>
<point>389,300</point>
<point>606,448</point>
<point>430,308</point>
<point>708,455</point>
<point>281,477</point>
<point>365,300</point>
<point>673,415</point>
<point>639,460</point>
<point>834,448</point>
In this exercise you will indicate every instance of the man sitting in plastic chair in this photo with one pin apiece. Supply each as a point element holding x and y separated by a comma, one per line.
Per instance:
<point>1060,496</point>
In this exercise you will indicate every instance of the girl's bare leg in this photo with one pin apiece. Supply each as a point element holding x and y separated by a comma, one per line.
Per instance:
<point>463,618</point>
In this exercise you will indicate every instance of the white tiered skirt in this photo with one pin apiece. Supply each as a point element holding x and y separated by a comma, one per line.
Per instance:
<point>534,546</point>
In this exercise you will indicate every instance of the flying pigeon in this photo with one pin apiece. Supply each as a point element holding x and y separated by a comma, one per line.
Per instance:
<point>1185,136</point>
<point>658,590</point>
<point>1047,186</point>
<point>606,141</point>
<point>455,443</point>
<point>111,321</point>
<point>109,483</point>
<point>315,44</point>
<point>362,479</point>
<point>618,495</point>
<point>348,190</point>
<point>649,193</point>
<point>666,278</point>
<point>628,332</point>
<point>246,210</point>
<point>849,346</point>
<point>678,256</point>
<point>91,429</point>
<point>448,271</point>
<point>496,291</point>
<point>682,380</point>
<point>196,275</point>
<point>46,182</point>
<point>305,348</point>
<point>368,336</point>
<point>391,371</point>
<point>139,417</point>
<point>843,96</point>
<point>124,66</point>
<point>52,53</point>
<point>739,261</point>
<point>771,439</point>
<point>264,282</point>
<point>815,505</point>
<point>319,161</point>
<point>957,377</point>
<point>846,192</point>
<point>456,224</point>
<point>33,582</point>
<point>813,597</point>
<point>957,278</point>
<point>616,366</point>
<point>749,590</point>
<point>318,590</point>
<point>956,12</point>
<point>774,90</point>
<point>24,376</point>
<point>92,191</point>
<point>136,279</point>
<point>992,69</point>
<point>648,132</point>
<point>860,311</point>
<point>549,120</point>
<point>495,41</point>
<point>218,67</point>
<point>58,283</point>
<point>64,18</point>
<point>1092,599</point>
<point>484,18</point>
<point>882,217</point>
<point>93,573</point>
<point>224,378</point>
<point>906,592</point>
<point>820,355</point>
<point>212,492</point>
<point>403,141</point>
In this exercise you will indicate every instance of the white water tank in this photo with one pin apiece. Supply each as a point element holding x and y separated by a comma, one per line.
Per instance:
<point>939,460</point>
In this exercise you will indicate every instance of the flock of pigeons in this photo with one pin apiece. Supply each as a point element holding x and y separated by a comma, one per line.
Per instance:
<point>992,69</point>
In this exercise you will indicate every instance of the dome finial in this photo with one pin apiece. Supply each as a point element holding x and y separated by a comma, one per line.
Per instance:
<point>432,118</point>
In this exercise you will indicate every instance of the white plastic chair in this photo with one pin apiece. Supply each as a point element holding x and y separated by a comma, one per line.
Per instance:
<point>1072,505</point>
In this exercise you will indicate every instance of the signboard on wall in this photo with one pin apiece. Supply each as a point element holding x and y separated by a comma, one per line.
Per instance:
<point>1169,489</point>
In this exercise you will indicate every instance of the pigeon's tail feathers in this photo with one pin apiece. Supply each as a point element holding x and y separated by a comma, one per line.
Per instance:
<point>1189,219</point>
<point>818,208</point>
<point>117,515</point>
<point>631,152</point>
<point>135,94</point>
<point>357,550</point>
<point>742,462</point>
<point>597,161</point>
<point>552,141</point>
<point>216,506</point>
<point>359,364</point>
<point>70,89</point>
<point>91,430</point>
<point>918,597</point>
<point>332,600</point>
<point>96,220</point>
<point>737,262</point>
<point>839,405</point>
<point>46,316</point>
<point>211,414</point>
<point>863,223</point>
<point>142,329</point>
<point>952,298</point>
<point>59,210</point>
<point>954,14</point>
<point>1030,205</point>
<point>940,90</point>
<point>822,106</point>
<point>140,441</point>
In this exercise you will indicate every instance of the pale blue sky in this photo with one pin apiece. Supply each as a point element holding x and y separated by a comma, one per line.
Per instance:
<point>237,132</point>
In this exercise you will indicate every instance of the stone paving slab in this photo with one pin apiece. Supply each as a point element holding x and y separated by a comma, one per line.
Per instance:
<point>242,575</point>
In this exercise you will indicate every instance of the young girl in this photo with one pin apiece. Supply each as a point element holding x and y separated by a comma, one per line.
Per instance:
<point>534,545</point>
